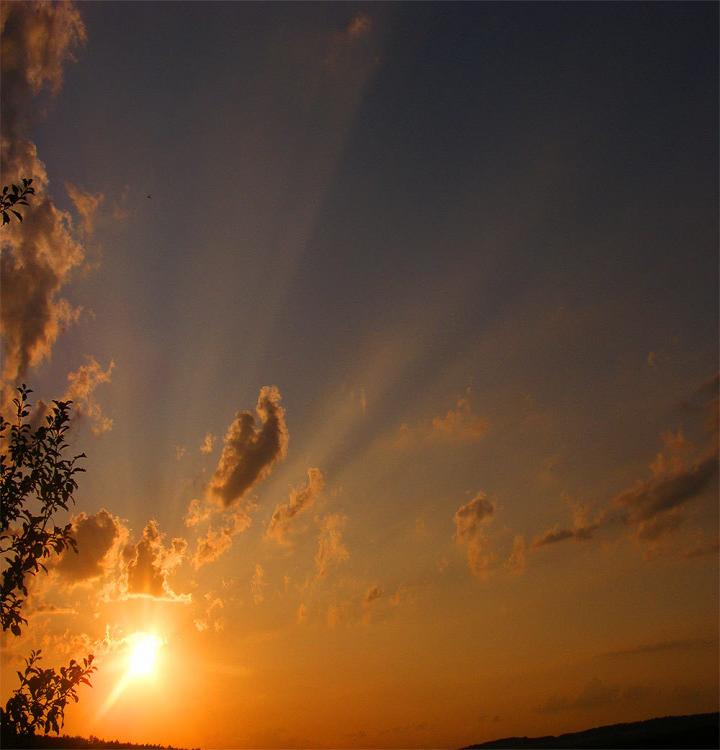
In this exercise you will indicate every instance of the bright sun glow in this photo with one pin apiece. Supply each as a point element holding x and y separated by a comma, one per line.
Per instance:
<point>143,654</point>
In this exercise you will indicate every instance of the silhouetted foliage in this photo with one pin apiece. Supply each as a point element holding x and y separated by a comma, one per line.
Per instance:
<point>39,703</point>
<point>15,195</point>
<point>37,480</point>
<point>74,743</point>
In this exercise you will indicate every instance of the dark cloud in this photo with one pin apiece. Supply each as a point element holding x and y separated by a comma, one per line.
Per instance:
<point>98,536</point>
<point>660,494</point>
<point>373,593</point>
<point>301,498</point>
<point>470,521</point>
<point>683,644</point>
<point>656,506</point>
<point>579,533</point>
<point>150,562</point>
<point>250,448</point>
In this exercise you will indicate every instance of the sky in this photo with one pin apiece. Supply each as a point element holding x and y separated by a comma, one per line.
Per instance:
<point>391,332</point>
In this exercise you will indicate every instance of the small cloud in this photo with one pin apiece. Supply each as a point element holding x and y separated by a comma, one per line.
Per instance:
<point>251,448</point>
<point>258,584</point>
<point>459,424</point>
<point>372,594</point>
<point>360,25</point>
<point>302,613</point>
<point>683,644</point>
<point>516,562</point>
<point>99,538</point>
<point>208,443</point>
<point>218,538</point>
<point>150,563</point>
<point>470,520</point>
<point>180,452</point>
<point>209,620</point>
<point>330,547</point>
<point>197,512</point>
<point>301,498</point>
<point>86,204</point>
<point>81,391</point>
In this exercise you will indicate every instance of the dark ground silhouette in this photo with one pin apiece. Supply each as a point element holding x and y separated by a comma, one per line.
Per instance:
<point>10,741</point>
<point>696,731</point>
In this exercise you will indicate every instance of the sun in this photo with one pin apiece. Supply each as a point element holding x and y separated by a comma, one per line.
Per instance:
<point>143,657</point>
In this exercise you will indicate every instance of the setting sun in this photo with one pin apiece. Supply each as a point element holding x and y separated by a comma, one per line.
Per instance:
<point>143,654</point>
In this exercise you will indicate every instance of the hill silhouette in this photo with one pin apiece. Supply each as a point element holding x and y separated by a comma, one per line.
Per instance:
<point>695,731</point>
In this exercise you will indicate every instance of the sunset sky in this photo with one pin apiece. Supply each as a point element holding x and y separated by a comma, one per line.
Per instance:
<point>392,335</point>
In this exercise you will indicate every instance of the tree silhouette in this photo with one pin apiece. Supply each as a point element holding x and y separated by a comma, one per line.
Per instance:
<point>37,480</point>
<point>15,195</point>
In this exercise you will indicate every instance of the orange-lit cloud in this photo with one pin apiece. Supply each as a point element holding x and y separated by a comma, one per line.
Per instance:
<point>330,546</point>
<point>208,443</point>
<point>258,584</point>
<point>150,562</point>
<point>459,424</point>
<point>653,507</point>
<point>39,255</point>
<point>301,498</point>
<point>219,536</point>
<point>250,448</point>
<point>81,391</point>
<point>86,205</point>
<point>470,522</point>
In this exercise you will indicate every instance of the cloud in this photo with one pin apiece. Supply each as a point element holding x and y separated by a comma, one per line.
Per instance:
<point>81,391</point>
<point>39,255</point>
<point>208,619</point>
<point>470,520</point>
<point>516,562</point>
<point>99,538</point>
<point>459,424</point>
<point>302,613</point>
<point>578,533</point>
<point>208,443</point>
<point>218,538</point>
<point>150,562</point>
<point>683,644</point>
<point>258,584</point>
<point>197,512</point>
<point>251,450</point>
<point>360,25</point>
<point>330,548</point>
<point>301,498</point>
<point>86,204</point>
<point>656,506</point>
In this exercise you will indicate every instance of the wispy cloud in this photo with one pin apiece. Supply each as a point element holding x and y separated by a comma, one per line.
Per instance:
<point>459,424</point>
<point>81,391</point>
<point>301,499</point>
<point>331,549</point>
